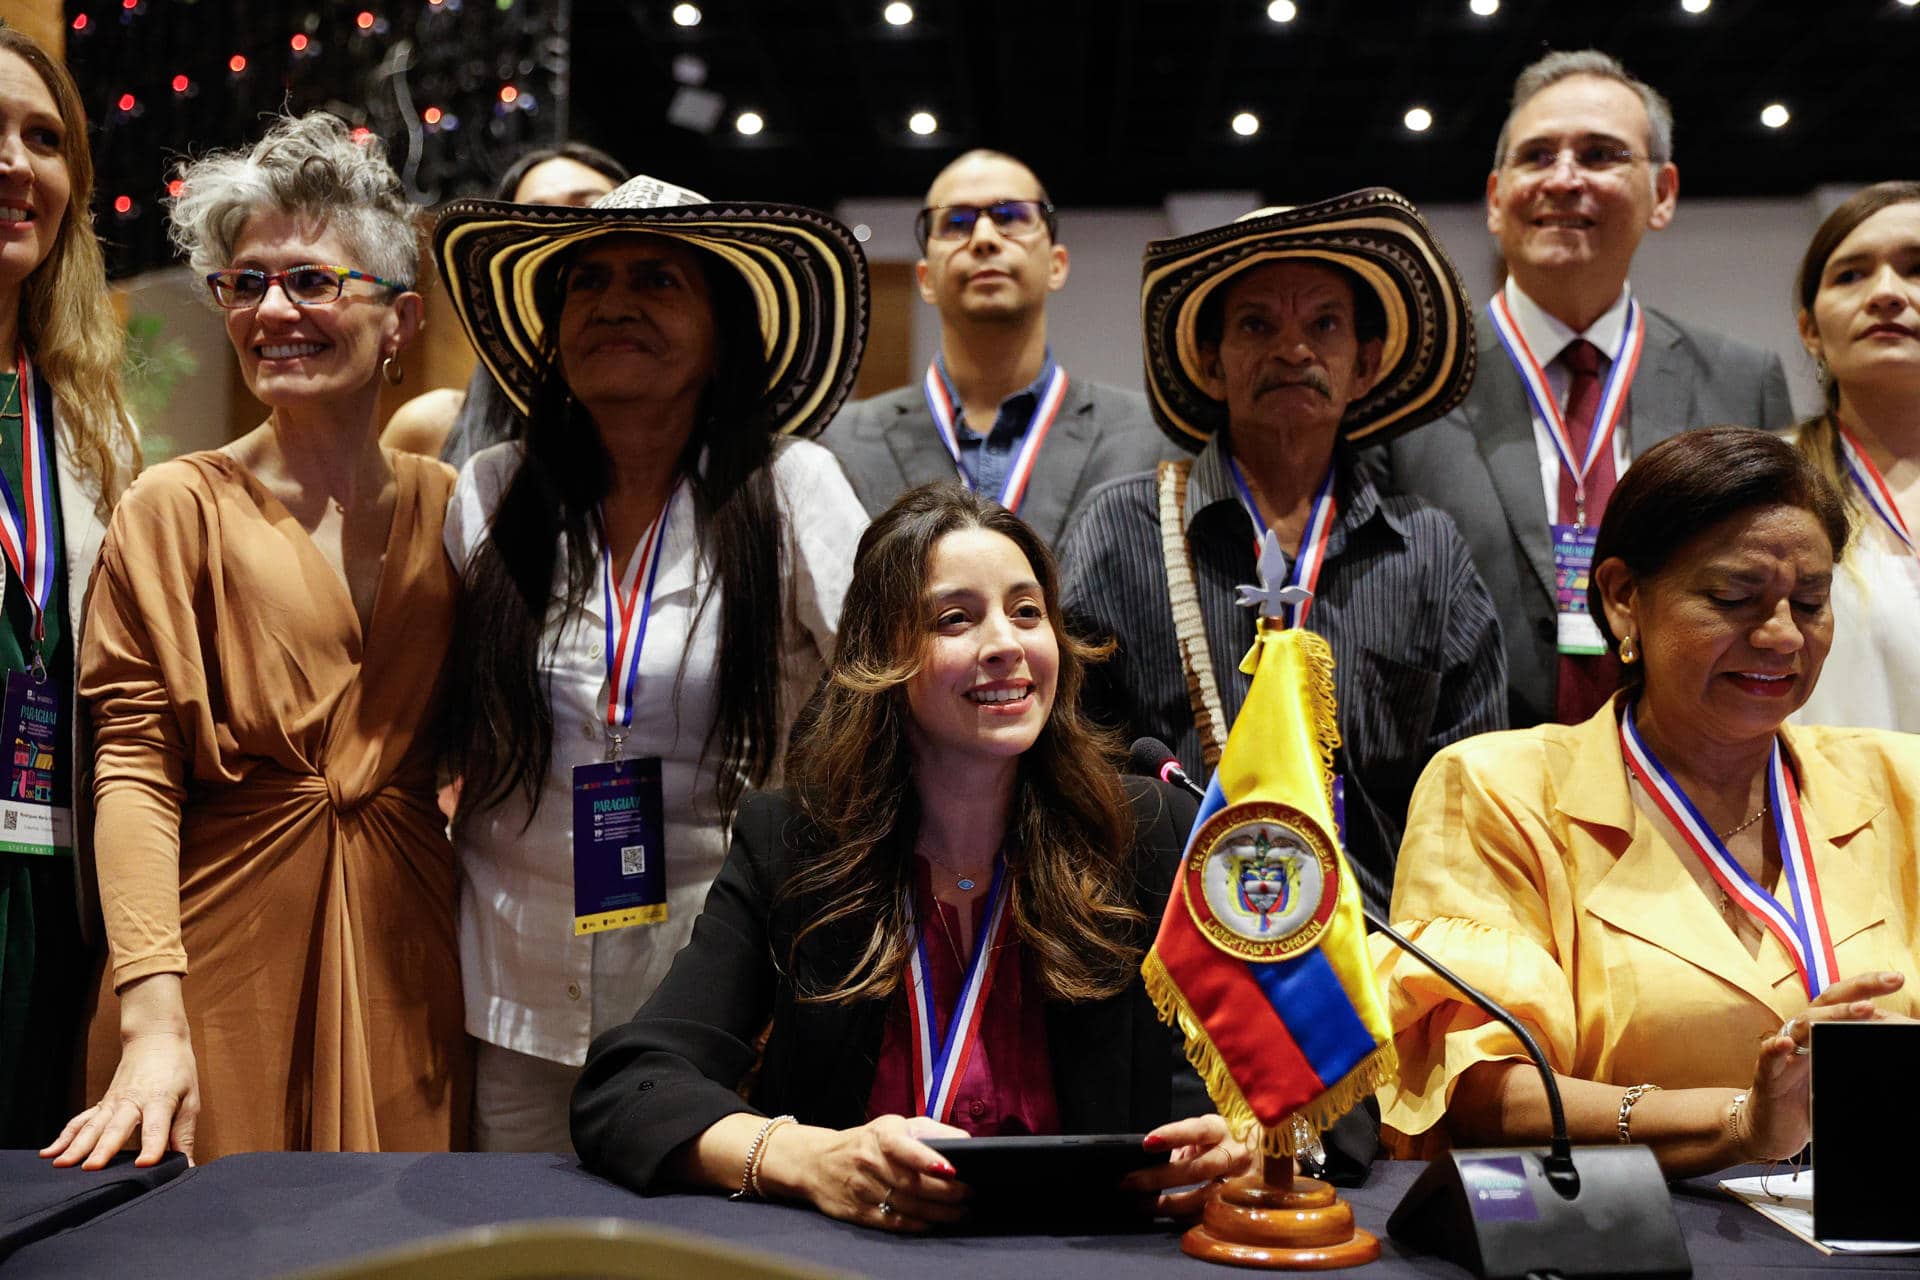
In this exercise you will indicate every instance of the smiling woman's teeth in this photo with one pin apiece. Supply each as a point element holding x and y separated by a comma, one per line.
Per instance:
<point>13,215</point>
<point>998,695</point>
<point>287,351</point>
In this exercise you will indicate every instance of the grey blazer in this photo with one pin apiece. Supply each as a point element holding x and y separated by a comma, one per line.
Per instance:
<point>1480,466</point>
<point>889,444</point>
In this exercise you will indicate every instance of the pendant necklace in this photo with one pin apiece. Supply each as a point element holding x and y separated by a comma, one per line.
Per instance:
<point>965,883</point>
<point>1726,903</point>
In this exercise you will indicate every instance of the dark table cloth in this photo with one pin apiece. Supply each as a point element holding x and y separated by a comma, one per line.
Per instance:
<point>37,1200</point>
<point>267,1214</point>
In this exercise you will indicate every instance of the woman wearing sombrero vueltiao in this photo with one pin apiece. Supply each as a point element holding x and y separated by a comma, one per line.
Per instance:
<point>264,653</point>
<point>653,582</point>
<point>60,408</point>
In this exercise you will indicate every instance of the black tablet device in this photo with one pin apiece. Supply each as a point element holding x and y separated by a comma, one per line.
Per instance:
<point>1051,1184</point>
<point>1864,1127</point>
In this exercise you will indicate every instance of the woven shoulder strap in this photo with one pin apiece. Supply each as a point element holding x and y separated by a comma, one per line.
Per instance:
<point>1189,627</point>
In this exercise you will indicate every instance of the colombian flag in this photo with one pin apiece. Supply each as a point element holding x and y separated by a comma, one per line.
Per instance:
<point>1261,958</point>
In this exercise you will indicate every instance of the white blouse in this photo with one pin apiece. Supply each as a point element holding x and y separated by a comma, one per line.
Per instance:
<point>531,985</point>
<point>1872,676</point>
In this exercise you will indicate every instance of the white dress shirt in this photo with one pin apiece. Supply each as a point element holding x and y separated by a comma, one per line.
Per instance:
<point>531,985</point>
<point>1872,676</point>
<point>1548,337</point>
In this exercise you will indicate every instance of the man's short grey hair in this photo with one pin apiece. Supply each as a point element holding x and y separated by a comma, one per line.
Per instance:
<point>1556,67</point>
<point>309,166</point>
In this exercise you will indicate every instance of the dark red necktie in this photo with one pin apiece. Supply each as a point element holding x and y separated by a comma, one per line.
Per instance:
<point>1585,681</point>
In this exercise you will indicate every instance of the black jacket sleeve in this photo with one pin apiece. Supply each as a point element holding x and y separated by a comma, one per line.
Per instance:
<point>671,1072</point>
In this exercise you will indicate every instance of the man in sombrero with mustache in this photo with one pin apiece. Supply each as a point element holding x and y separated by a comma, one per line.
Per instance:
<point>1278,343</point>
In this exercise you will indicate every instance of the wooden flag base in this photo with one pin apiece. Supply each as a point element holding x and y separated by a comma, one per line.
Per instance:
<point>1278,1222</point>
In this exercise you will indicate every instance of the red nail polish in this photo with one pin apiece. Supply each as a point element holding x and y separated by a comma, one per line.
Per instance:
<point>1154,1142</point>
<point>942,1168</point>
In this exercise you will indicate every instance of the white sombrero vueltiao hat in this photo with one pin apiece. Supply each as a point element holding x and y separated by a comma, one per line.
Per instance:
<point>803,268</point>
<point>1426,363</point>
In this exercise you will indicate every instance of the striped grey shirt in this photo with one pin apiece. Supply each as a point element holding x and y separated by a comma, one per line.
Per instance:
<point>1416,644</point>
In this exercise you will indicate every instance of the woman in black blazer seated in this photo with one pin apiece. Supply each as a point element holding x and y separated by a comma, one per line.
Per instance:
<point>946,776</point>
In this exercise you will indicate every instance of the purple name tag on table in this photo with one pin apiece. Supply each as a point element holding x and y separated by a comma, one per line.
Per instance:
<point>1497,1189</point>
<point>619,845</point>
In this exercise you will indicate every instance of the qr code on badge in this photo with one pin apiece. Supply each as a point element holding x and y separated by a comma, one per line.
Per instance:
<point>13,820</point>
<point>633,858</point>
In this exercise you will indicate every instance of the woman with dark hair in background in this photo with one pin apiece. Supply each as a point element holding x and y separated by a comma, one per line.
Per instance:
<point>453,425</point>
<point>653,581</point>
<point>1858,302</point>
<point>64,425</point>
<point>264,659</point>
<point>1671,893</point>
<point>955,862</point>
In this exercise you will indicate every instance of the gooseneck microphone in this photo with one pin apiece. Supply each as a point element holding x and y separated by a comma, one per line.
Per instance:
<point>1152,758</point>
<point>1517,1211</point>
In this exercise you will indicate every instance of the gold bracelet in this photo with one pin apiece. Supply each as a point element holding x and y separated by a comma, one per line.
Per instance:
<point>1627,1101</point>
<point>1736,1112</point>
<point>750,1171</point>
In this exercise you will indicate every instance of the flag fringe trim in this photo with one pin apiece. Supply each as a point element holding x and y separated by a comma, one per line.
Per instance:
<point>1319,688</point>
<point>1299,1132</point>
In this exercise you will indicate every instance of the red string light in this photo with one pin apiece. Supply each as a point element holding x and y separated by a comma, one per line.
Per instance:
<point>237,63</point>
<point>508,93</point>
<point>79,22</point>
<point>174,185</point>
<point>128,102</point>
<point>432,115</point>
<point>123,204</point>
<point>299,42</point>
<point>181,84</point>
<point>365,20</point>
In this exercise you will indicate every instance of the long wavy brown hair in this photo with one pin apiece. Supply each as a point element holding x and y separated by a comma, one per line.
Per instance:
<point>67,318</point>
<point>1070,858</point>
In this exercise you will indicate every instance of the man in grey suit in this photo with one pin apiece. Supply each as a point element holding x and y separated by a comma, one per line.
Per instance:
<point>994,409</point>
<point>1575,376</point>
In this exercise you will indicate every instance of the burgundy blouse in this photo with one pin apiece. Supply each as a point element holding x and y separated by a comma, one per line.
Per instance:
<point>1007,1087</point>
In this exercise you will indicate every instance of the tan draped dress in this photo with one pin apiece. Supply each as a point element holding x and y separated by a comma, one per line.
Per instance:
<point>265,782</point>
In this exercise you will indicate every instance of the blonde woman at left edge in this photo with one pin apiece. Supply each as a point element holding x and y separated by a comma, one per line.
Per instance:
<point>269,623</point>
<point>60,345</point>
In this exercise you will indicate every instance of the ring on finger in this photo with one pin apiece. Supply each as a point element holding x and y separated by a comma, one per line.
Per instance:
<point>886,1206</point>
<point>1799,1050</point>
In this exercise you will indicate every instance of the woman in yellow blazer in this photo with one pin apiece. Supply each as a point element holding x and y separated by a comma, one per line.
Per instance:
<point>1625,886</point>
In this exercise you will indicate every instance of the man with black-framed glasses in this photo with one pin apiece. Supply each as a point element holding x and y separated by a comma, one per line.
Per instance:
<point>995,408</point>
<point>1576,376</point>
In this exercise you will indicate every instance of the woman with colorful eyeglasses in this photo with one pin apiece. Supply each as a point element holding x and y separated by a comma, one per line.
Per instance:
<point>66,450</point>
<point>264,662</point>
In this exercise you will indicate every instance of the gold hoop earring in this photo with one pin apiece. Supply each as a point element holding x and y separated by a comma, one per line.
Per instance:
<point>1628,653</point>
<point>391,371</point>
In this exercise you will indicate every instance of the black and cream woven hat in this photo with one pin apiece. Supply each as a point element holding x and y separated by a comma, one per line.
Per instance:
<point>1428,359</point>
<point>803,268</point>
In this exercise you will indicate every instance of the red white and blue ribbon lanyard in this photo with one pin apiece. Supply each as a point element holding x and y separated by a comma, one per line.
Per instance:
<point>1015,488</point>
<point>627,608</point>
<point>1613,396</point>
<point>1312,553</point>
<point>1801,922</point>
<point>940,1056</point>
<point>26,533</point>
<point>1873,486</point>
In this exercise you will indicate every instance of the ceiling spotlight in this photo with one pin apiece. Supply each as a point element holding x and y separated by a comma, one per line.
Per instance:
<point>1282,11</point>
<point>1696,6</point>
<point>1775,115</point>
<point>686,15</point>
<point>1484,8</point>
<point>748,123</point>
<point>1908,4</point>
<point>897,14</point>
<point>1418,119</point>
<point>922,123</point>
<point>1246,124</point>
